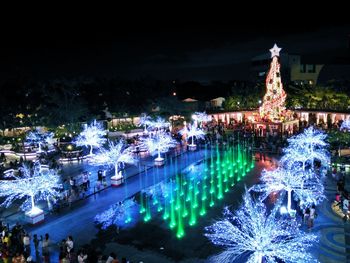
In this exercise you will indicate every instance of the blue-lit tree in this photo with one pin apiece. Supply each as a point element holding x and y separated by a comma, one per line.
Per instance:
<point>40,137</point>
<point>159,144</point>
<point>345,126</point>
<point>159,123</point>
<point>294,155</point>
<point>49,138</point>
<point>113,156</point>
<point>145,120</point>
<point>34,137</point>
<point>116,215</point>
<point>253,234</point>
<point>308,189</point>
<point>92,136</point>
<point>311,142</point>
<point>192,132</point>
<point>201,117</point>
<point>34,184</point>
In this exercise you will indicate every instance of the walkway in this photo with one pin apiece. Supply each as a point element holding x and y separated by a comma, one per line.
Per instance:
<point>79,220</point>
<point>334,234</point>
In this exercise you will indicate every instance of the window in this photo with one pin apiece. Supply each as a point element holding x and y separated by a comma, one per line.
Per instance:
<point>302,68</point>
<point>311,68</point>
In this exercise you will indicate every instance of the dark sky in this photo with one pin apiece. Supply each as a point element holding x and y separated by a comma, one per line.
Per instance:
<point>198,50</point>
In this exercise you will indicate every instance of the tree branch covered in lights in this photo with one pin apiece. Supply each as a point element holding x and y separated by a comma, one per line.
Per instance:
<point>345,126</point>
<point>159,144</point>
<point>116,214</point>
<point>113,156</point>
<point>311,138</point>
<point>192,132</point>
<point>310,143</point>
<point>35,184</point>
<point>145,120</point>
<point>92,136</point>
<point>253,233</point>
<point>40,137</point>
<point>296,155</point>
<point>201,117</point>
<point>159,123</point>
<point>305,186</point>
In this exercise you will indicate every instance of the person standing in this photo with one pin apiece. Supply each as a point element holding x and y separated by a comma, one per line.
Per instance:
<point>45,246</point>
<point>82,257</point>
<point>26,243</point>
<point>36,242</point>
<point>346,207</point>
<point>69,244</point>
<point>312,216</point>
<point>306,215</point>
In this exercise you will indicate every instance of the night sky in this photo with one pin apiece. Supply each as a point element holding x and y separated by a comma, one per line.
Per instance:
<point>201,51</point>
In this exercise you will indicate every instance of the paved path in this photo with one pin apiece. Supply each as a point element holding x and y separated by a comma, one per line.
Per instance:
<point>334,234</point>
<point>78,221</point>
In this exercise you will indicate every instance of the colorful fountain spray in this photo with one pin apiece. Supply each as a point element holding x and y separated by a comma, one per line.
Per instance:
<point>189,196</point>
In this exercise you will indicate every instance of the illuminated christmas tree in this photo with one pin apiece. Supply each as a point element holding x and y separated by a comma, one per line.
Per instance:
<point>275,97</point>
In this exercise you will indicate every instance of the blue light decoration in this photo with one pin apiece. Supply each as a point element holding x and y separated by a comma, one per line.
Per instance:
<point>307,147</point>
<point>118,214</point>
<point>113,156</point>
<point>192,132</point>
<point>145,121</point>
<point>161,143</point>
<point>158,123</point>
<point>345,126</point>
<point>34,184</point>
<point>40,137</point>
<point>307,188</point>
<point>252,234</point>
<point>92,136</point>
<point>200,117</point>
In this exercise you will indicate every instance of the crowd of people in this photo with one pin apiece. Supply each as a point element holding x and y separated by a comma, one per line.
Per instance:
<point>342,197</point>
<point>18,246</point>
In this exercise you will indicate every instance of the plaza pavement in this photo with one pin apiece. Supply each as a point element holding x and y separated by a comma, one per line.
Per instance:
<point>334,234</point>
<point>78,220</point>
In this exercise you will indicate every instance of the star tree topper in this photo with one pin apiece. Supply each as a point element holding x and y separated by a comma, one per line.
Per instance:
<point>275,51</point>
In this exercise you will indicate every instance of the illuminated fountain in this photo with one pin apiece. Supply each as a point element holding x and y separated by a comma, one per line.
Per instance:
<point>192,132</point>
<point>187,197</point>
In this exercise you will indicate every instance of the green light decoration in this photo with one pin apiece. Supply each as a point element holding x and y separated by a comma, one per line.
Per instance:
<point>180,226</point>
<point>172,215</point>
<point>184,208</point>
<point>148,210</point>
<point>188,196</point>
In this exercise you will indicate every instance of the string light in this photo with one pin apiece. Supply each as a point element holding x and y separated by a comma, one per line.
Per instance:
<point>92,136</point>
<point>260,236</point>
<point>36,183</point>
<point>113,156</point>
<point>192,132</point>
<point>275,96</point>
<point>158,144</point>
